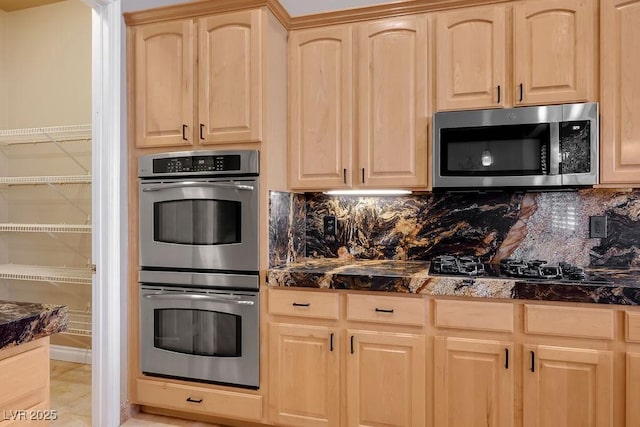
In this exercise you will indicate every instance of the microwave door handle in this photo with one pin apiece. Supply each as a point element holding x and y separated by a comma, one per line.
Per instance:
<point>196,297</point>
<point>181,184</point>
<point>554,149</point>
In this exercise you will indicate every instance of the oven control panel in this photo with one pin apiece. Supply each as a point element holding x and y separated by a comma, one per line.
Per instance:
<point>230,163</point>
<point>199,163</point>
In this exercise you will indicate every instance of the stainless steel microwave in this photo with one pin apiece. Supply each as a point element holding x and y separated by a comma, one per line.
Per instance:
<point>546,146</point>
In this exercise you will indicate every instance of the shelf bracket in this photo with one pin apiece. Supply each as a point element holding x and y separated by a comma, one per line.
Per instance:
<point>66,152</point>
<point>68,246</point>
<point>71,202</point>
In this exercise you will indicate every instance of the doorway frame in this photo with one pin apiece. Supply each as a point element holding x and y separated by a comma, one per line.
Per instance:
<point>108,246</point>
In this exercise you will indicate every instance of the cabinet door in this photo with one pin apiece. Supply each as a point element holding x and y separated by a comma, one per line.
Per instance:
<point>471,67</point>
<point>633,389</point>
<point>474,382</point>
<point>305,372</point>
<point>554,51</point>
<point>163,84</point>
<point>230,90</point>
<point>620,92</point>
<point>385,379</point>
<point>570,387</point>
<point>392,95</point>
<point>321,108</point>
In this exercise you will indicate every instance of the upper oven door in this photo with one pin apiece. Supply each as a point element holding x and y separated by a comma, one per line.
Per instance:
<point>201,224</point>
<point>497,148</point>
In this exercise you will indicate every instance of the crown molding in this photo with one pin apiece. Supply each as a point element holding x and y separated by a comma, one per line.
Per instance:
<point>398,8</point>
<point>205,7</point>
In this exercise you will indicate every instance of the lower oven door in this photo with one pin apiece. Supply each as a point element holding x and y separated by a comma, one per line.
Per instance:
<point>200,334</point>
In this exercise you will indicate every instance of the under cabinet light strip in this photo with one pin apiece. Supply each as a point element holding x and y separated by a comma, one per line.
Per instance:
<point>367,192</point>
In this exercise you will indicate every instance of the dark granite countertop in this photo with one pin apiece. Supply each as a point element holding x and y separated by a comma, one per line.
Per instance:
<point>622,287</point>
<point>21,322</point>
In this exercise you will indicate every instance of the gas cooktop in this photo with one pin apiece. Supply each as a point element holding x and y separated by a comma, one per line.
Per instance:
<point>512,268</point>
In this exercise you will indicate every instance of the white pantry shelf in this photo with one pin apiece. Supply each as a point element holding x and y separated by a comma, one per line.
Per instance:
<point>45,228</point>
<point>43,180</point>
<point>45,134</point>
<point>79,323</point>
<point>45,273</point>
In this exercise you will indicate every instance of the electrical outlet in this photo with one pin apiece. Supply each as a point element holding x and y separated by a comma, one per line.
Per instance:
<point>329,225</point>
<point>598,226</point>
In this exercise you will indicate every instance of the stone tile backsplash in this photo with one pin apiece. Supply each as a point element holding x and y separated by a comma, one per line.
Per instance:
<point>553,226</point>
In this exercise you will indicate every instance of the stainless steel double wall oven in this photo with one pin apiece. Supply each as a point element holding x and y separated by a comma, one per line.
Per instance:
<point>199,259</point>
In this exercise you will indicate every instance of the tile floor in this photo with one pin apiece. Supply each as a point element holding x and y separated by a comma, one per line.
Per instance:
<point>71,397</point>
<point>71,393</point>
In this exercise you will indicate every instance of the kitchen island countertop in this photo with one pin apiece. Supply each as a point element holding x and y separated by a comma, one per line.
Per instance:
<point>622,287</point>
<point>22,322</point>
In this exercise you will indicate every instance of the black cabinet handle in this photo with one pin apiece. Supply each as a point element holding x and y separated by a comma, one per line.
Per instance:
<point>533,361</point>
<point>506,358</point>
<point>184,133</point>
<point>521,92</point>
<point>363,175</point>
<point>351,344</point>
<point>194,400</point>
<point>331,342</point>
<point>201,131</point>
<point>344,175</point>
<point>306,304</point>
<point>384,310</point>
<point>498,94</point>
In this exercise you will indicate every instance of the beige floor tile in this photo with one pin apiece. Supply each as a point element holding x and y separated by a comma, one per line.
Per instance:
<point>71,393</point>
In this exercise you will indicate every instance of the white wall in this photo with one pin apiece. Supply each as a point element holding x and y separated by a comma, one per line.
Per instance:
<point>49,65</point>
<point>307,7</point>
<point>3,70</point>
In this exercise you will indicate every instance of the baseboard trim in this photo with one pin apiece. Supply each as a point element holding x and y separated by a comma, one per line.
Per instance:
<point>70,354</point>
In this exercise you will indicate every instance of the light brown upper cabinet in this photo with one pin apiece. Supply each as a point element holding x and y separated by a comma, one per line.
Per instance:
<point>321,107</point>
<point>221,95</point>
<point>390,78</point>
<point>552,50</point>
<point>620,93</point>
<point>471,61</point>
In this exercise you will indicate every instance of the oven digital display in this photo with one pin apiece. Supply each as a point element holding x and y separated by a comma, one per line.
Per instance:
<point>227,163</point>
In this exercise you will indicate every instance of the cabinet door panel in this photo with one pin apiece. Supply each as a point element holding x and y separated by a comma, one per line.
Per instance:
<point>471,47</point>
<point>620,94</point>
<point>305,372</point>
<point>570,387</point>
<point>164,84</point>
<point>230,93</point>
<point>392,80</point>
<point>321,108</point>
<point>554,51</point>
<point>385,379</point>
<point>474,382</point>
<point>633,389</point>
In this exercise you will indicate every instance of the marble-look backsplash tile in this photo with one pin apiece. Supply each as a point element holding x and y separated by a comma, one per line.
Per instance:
<point>287,237</point>
<point>547,225</point>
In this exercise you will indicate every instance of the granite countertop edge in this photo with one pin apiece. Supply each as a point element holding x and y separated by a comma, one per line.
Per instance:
<point>413,277</point>
<point>22,322</point>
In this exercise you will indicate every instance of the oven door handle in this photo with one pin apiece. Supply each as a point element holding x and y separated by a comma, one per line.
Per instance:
<point>195,297</point>
<point>225,185</point>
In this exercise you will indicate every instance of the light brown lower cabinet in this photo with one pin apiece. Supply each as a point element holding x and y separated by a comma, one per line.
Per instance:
<point>385,379</point>
<point>633,388</point>
<point>305,375</point>
<point>567,387</point>
<point>24,396</point>
<point>473,382</point>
